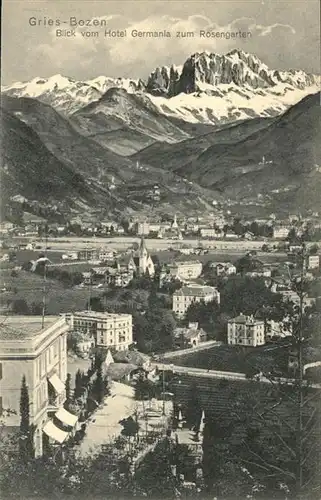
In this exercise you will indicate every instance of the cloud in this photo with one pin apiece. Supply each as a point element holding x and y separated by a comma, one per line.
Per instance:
<point>267,30</point>
<point>138,56</point>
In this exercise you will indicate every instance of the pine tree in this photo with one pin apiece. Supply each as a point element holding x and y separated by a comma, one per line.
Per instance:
<point>99,386</point>
<point>78,385</point>
<point>68,389</point>
<point>26,431</point>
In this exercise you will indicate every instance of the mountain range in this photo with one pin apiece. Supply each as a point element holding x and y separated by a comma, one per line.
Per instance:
<point>221,127</point>
<point>207,88</point>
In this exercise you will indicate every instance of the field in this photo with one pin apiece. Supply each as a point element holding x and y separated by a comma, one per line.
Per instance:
<point>236,358</point>
<point>29,286</point>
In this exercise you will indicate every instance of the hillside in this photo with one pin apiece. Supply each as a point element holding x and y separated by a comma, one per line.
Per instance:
<point>281,161</point>
<point>173,156</point>
<point>30,169</point>
<point>49,162</point>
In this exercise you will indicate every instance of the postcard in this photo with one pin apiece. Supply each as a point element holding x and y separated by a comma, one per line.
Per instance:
<point>160,241</point>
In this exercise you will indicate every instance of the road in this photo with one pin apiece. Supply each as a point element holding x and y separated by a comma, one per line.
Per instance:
<point>200,372</point>
<point>180,352</point>
<point>122,242</point>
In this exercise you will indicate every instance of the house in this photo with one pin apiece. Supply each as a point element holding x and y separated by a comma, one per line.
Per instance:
<point>89,254</point>
<point>70,256</point>
<point>190,336</point>
<point>313,262</point>
<point>190,294</point>
<point>246,331</point>
<point>142,228</point>
<point>118,277</point>
<point>105,254</point>
<point>133,357</point>
<point>281,232</point>
<point>223,268</point>
<point>111,331</point>
<point>278,329</point>
<point>123,372</point>
<point>182,270</point>
<point>38,352</point>
<point>6,227</point>
<point>209,232</point>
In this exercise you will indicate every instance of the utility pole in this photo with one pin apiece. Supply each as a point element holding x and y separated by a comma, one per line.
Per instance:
<point>44,289</point>
<point>163,389</point>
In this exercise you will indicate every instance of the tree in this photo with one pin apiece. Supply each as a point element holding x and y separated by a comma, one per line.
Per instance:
<point>36,308</point>
<point>26,431</point>
<point>68,388</point>
<point>95,304</point>
<point>271,429</point>
<point>98,389</point>
<point>20,306</point>
<point>78,392</point>
<point>144,389</point>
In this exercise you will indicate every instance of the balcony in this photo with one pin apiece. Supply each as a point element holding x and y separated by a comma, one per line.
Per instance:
<point>56,392</point>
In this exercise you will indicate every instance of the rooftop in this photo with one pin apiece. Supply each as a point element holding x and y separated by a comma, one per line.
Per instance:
<point>198,290</point>
<point>24,327</point>
<point>245,320</point>
<point>100,315</point>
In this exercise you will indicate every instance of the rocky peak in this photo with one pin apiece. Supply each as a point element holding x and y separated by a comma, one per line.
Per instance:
<point>204,70</point>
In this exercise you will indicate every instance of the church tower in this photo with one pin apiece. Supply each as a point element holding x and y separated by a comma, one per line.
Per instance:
<point>145,262</point>
<point>174,223</point>
<point>143,257</point>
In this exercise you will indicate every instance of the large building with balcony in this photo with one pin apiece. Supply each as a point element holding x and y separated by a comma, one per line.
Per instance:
<point>114,331</point>
<point>37,352</point>
<point>189,294</point>
<point>246,331</point>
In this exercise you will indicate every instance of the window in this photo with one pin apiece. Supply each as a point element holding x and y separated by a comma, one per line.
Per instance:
<point>1,409</point>
<point>0,371</point>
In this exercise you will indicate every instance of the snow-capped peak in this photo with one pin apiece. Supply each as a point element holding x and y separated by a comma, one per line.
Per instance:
<point>231,82</point>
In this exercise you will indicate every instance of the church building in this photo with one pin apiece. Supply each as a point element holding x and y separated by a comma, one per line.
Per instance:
<point>140,262</point>
<point>144,261</point>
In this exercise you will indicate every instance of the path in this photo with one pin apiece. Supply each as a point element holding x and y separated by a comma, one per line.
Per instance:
<point>103,426</point>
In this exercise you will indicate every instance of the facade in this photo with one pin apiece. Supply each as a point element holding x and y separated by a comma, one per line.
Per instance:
<point>245,330</point>
<point>39,354</point>
<point>191,336</point>
<point>187,295</point>
<point>182,270</point>
<point>209,232</point>
<point>313,262</point>
<point>281,232</point>
<point>119,278</point>
<point>113,331</point>
<point>142,228</point>
<point>224,268</point>
<point>278,329</point>
<point>90,254</point>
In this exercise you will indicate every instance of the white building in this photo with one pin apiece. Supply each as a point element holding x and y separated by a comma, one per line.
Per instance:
<point>183,270</point>
<point>114,331</point>
<point>40,355</point>
<point>313,262</point>
<point>189,294</point>
<point>281,232</point>
<point>142,228</point>
<point>245,330</point>
<point>209,232</point>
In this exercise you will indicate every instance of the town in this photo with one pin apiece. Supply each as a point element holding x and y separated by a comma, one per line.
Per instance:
<point>93,324</point>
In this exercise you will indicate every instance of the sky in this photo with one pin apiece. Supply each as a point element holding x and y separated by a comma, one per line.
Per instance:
<point>285,34</point>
